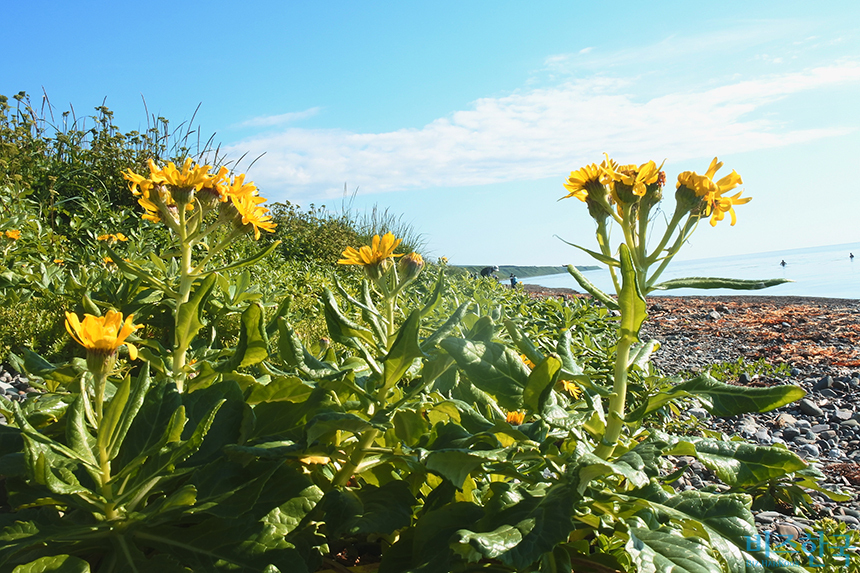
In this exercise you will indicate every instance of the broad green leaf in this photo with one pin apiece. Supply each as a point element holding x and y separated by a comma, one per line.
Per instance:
<point>404,351</point>
<point>522,531</point>
<point>278,419</point>
<point>641,353</point>
<point>77,434</point>
<point>562,349</point>
<point>523,343</point>
<point>189,315</point>
<point>713,282</point>
<point>147,430</point>
<point>327,422</point>
<point>409,426</point>
<point>446,329</point>
<point>492,367</point>
<point>436,296</point>
<point>483,330</point>
<point>665,550</point>
<point>456,465</point>
<point>725,518</point>
<point>631,303</point>
<point>589,467</point>
<point>282,388</point>
<point>586,284</point>
<point>253,342</point>
<point>722,399</point>
<point>228,400</point>
<point>293,352</point>
<point>368,510</point>
<point>55,564</point>
<point>540,383</point>
<point>738,464</point>
<point>340,328</point>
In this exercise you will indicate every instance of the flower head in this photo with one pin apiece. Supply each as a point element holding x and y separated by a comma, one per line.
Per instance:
<point>380,249</point>
<point>410,267</point>
<point>102,335</point>
<point>13,234</point>
<point>571,388</point>
<point>112,237</point>
<point>710,193</point>
<point>583,180</point>
<point>252,215</point>
<point>515,418</point>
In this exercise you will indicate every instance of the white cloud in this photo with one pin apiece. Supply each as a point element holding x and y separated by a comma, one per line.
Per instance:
<point>281,119</point>
<point>538,133</point>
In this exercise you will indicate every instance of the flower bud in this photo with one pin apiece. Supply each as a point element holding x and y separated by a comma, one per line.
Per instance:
<point>410,267</point>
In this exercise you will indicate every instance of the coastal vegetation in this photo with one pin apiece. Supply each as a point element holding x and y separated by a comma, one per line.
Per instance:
<point>229,385</point>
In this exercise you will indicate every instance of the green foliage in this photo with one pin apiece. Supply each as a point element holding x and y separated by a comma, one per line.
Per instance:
<point>312,235</point>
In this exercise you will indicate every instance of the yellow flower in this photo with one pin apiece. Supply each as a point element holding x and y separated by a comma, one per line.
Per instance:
<point>238,188</point>
<point>102,335</point>
<point>515,418</point>
<point>379,250</point>
<point>719,206</point>
<point>527,362</point>
<point>191,176</point>
<point>13,234</point>
<point>112,238</point>
<point>152,212</point>
<point>638,178</point>
<point>59,262</point>
<point>571,388</point>
<point>704,185</point>
<point>584,180</point>
<point>710,191</point>
<point>140,185</point>
<point>248,207</point>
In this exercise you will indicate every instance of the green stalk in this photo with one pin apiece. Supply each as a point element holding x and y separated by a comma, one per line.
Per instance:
<point>185,282</point>
<point>365,440</point>
<point>615,421</point>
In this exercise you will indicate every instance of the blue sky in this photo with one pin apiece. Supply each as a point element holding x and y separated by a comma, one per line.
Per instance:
<point>466,117</point>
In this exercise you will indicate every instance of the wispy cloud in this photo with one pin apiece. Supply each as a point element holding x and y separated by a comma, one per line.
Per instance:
<point>280,119</point>
<point>540,133</point>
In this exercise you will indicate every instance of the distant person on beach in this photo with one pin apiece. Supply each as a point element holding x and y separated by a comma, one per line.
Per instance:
<point>513,280</point>
<point>488,271</point>
<point>851,256</point>
<point>783,263</point>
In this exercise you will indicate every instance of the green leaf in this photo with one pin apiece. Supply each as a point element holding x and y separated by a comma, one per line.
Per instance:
<point>55,564</point>
<point>368,510</point>
<point>293,352</point>
<point>253,259</point>
<point>147,430</point>
<point>189,315</point>
<point>523,531</point>
<point>340,328</point>
<point>492,367</point>
<point>228,401</point>
<point>589,467</point>
<point>327,422</point>
<point>282,388</point>
<point>738,464</point>
<point>540,383</point>
<point>523,343</point>
<point>713,282</point>
<point>253,343</point>
<point>456,465</point>
<point>631,303</point>
<point>404,351</point>
<point>591,289</point>
<point>436,296</point>
<point>640,354</point>
<point>665,550</point>
<point>722,399</point>
<point>725,518</point>
<point>446,329</point>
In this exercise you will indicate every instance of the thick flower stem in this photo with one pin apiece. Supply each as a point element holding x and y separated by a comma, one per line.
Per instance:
<point>615,417</point>
<point>365,440</point>
<point>185,282</point>
<point>106,488</point>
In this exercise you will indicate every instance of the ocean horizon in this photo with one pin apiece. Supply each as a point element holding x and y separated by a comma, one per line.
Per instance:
<point>827,272</point>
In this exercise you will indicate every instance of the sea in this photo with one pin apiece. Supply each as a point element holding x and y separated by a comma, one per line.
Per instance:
<point>827,272</point>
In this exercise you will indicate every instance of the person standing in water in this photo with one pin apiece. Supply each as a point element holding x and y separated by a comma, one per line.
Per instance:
<point>851,256</point>
<point>513,280</point>
<point>783,263</point>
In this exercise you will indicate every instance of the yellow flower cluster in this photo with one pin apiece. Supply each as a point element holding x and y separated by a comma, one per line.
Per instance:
<point>515,418</point>
<point>609,182</point>
<point>712,191</point>
<point>13,234</point>
<point>169,189</point>
<point>112,237</point>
